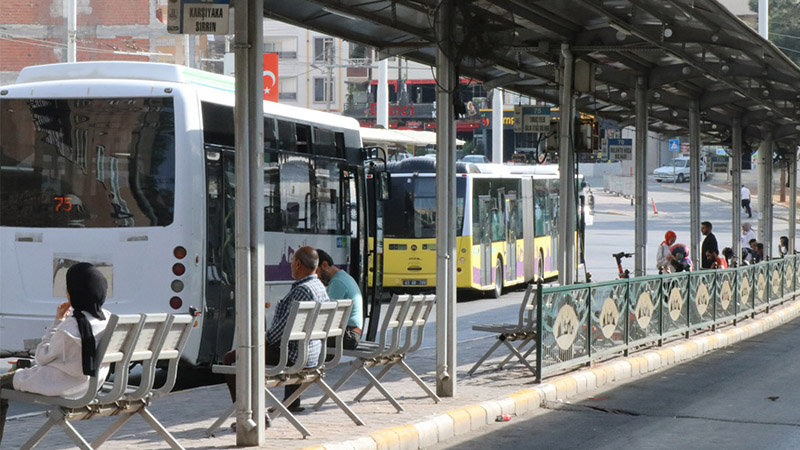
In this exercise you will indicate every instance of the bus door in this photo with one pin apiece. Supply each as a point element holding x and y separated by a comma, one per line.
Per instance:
<point>219,314</point>
<point>511,236</point>
<point>485,210</point>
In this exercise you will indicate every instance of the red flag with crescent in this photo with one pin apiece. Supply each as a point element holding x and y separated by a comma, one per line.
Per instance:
<point>271,77</point>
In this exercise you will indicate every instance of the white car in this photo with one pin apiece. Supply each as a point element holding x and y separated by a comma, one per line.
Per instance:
<point>678,171</point>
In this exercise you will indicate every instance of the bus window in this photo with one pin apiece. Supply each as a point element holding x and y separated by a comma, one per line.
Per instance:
<point>324,144</point>
<point>303,138</point>
<point>327,176</point>
<point>286,136</point>
<point>339,143</point>
<point>295,192</point>
<point>272,206</point>
<point>411,209</point>
<point>270,134</point>
<point>87,163</point>
<point>218,124</point>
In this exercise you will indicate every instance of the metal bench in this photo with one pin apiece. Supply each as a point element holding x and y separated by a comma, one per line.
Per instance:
<point>400,334</point>
<point>307,321</point>
<point>128,339</point>
<point>524,330</point>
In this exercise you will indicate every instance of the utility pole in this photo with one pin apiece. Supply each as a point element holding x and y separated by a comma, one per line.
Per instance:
<point>72,30</point>
<point>329,77</point>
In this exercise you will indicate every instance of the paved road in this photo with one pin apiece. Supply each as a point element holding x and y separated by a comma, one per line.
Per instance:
<point>742,397</point>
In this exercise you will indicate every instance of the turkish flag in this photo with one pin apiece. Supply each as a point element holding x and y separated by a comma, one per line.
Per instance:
<point>271,77</point>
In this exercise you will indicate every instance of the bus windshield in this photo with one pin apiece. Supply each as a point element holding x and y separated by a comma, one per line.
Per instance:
<point>411,211</point>
<point>92,163</point>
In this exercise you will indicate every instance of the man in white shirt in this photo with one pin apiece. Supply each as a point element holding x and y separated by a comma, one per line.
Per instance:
<point>746,201</point>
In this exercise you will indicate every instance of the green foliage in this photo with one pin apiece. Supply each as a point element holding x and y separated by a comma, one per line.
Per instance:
<point>784,20</point>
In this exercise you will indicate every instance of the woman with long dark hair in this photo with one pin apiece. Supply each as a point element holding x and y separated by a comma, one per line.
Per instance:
<point>66,357</point>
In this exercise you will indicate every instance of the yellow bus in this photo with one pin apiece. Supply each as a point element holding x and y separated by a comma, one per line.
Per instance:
<point>506,226</point>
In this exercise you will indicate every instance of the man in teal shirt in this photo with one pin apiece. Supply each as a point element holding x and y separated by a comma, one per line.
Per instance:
<point>340,285</point>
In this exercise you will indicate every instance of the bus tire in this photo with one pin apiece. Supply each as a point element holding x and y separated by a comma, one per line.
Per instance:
<point>498,282</point>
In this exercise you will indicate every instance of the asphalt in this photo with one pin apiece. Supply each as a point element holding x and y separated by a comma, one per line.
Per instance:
<point>423,423</point>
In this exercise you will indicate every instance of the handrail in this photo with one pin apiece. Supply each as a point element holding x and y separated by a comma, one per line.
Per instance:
<point>581,323</point>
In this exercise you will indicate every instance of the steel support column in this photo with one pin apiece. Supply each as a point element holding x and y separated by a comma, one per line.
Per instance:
<point>497,126</point>
<point>694,180</point>
<point>793,205</point>
<point>765,193</point>
<point>640,197</point>
<point>736,188</point>
<point>382,113</point>
<point>249,129</point>
<point>445,177</point>
<point>566,165</point>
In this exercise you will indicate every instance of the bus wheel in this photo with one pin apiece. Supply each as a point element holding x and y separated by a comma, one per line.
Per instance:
<point>498,281</point>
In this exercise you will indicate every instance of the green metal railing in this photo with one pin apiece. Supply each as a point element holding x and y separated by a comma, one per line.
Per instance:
<point>584,322</point>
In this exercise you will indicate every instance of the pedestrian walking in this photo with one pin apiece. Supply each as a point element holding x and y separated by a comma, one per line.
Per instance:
<point>746,201</point>
<point>709,246</point>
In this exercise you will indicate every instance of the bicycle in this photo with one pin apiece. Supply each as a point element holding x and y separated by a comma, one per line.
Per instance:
<point>623,274</point>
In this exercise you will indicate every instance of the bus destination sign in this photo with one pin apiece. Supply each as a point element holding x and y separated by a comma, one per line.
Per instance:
<point>198,16</point>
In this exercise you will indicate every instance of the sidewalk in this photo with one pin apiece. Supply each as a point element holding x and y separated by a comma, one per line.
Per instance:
<point>478,401</point>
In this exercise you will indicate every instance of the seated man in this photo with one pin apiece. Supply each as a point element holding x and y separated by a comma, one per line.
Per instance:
<point>340,285</point>
<point>306,288</point>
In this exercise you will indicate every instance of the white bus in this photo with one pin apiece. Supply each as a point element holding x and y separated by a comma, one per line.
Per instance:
<point>130,166</point>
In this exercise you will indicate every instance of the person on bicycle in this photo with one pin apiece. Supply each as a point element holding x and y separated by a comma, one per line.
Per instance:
<point>664,254</point>
<point>680,258</point>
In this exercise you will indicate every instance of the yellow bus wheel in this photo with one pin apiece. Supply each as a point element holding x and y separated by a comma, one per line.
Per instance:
<point>498,281</point>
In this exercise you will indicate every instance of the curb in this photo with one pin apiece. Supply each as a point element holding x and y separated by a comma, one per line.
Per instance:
<point>463,420</point>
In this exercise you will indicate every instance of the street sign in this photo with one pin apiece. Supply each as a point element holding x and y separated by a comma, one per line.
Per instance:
<point>620,149</point>
<point>531,119</point>
<point>722,151</point>
<point>198,16</point>
<point>674,145</point>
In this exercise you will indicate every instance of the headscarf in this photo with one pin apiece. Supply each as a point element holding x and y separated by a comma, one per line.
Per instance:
<point>668,236</point>
<point>87,293</point>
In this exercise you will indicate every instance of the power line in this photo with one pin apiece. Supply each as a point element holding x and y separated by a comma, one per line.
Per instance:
<point>788,49</point>
<point>784,35</point>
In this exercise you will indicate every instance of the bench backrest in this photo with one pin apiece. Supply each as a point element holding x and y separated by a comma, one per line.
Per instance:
<point>527,309</point>
<point>176,335</point>
<point>147,344</point>
<point>389,339</point>
<point>298,329</point>
<point>336,331</point>
<point>419,317</point>
<point>114,347</point>
<point>323,320</point>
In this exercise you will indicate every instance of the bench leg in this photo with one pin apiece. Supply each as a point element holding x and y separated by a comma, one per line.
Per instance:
<point>288,401</point>
<point>336,399</point>
<point>519,356</point>
<point>349,374</point>
<point>119,423</point>
<point>281,409</point>
<point>379,377</point>
<point>419,381</point>
<point>74,435</point>
<point>483,358</point>
<point>519,349</point>
<point>166,435</point>
<point>374,382</point>
<point>222,418</point>
<point>55,416</point>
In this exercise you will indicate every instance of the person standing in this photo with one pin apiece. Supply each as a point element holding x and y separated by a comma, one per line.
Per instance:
<point>664,254</point>
<point>709,246</point>
<point>746,201</point>
<point>307,288</point>
<point>340,285</point>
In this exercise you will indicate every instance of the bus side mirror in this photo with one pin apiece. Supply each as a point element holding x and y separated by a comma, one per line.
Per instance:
<point>382,185</point>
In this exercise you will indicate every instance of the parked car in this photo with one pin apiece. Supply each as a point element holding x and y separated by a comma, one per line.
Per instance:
<point>678,171</point>
<point>477,159</point>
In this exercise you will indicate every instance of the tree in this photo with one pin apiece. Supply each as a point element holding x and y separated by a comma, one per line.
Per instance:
<point>784,25</point>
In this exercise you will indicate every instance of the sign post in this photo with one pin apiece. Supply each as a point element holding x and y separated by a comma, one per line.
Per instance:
<point>198,16</point>
<point>674,145</point>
